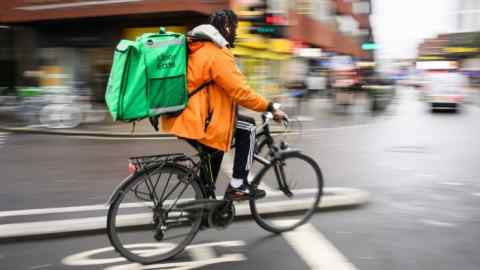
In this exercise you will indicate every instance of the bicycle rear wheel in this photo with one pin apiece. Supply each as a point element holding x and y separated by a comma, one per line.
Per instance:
<point>144,224</point>
<point>294,186</point>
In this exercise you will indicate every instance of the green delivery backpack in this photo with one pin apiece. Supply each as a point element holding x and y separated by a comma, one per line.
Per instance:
<point>148,77</point>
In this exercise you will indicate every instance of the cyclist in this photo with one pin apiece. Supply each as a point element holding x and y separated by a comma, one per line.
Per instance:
<point>210,120</point>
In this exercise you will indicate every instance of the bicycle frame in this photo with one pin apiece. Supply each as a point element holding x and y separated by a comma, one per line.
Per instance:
<point>208,185</point>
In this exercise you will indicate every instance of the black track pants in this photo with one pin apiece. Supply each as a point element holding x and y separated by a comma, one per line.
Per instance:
<point>244,140</point>
<point>244,146</point>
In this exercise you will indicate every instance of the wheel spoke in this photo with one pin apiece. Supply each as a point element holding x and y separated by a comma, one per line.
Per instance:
<point>165,187</point>
<point>175,226</point>
<point>176,200</point>
<point>171,191</point>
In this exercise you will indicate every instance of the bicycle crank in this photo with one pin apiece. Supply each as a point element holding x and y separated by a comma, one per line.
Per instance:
<point>222,216</point>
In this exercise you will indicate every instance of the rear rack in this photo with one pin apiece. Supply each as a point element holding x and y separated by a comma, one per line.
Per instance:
<point>141,162</point>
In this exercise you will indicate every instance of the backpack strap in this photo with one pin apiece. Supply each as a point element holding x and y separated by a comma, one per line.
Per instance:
<point>198,89</point>
<point>154,120</point>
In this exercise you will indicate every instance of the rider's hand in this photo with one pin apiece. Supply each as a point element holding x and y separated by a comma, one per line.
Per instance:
<point>279,115</point>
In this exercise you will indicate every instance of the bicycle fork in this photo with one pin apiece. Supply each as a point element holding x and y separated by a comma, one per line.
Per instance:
<point>281,179</point>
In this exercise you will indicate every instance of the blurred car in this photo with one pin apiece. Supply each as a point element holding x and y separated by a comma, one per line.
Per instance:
<point>380,90</point>
<point>344,83</point>
<point>445,91</point>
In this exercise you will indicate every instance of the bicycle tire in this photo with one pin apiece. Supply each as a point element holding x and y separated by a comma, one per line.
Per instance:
<point>133,185</point>
<point>261,214</point>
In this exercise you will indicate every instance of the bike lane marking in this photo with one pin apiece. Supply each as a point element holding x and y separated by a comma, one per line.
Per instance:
<point>341,197</point>
<point>317,252</point>
<point>201,254</point>
<point>310,245</point>
<point>3,138</point>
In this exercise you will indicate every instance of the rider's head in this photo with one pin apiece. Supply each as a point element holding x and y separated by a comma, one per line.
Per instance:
<point>225,21</point>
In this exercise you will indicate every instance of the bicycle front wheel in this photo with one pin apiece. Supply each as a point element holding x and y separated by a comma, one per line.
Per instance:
<point>294,186</point>
<point>145,221</point>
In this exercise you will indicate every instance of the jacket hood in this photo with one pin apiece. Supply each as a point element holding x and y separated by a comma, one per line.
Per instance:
<point>207,31</point>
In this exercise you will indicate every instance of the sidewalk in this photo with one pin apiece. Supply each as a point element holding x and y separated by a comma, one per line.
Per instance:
<point>311,110</point>
<point>107,127</point>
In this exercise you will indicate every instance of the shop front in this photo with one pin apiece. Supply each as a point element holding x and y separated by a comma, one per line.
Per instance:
<point>69,44</point>
<point>7,76</point>
<point>263,60</point>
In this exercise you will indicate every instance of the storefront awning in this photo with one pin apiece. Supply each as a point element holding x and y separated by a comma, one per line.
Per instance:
<point>51,10</point>
<point>259,54</point>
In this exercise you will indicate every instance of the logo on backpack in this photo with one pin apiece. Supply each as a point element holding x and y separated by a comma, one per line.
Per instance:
<point>165,61</point>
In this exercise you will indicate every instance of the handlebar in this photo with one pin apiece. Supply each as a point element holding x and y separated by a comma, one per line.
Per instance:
<point>268,116</point>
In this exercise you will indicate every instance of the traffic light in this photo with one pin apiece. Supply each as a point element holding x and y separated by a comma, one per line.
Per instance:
<point>263,23</point>
<point>274,26</point>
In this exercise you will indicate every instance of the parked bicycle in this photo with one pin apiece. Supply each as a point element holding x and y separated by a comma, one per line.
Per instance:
<point>165,202</point>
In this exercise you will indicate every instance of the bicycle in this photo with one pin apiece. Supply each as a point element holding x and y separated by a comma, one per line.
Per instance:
<point>171,210</point>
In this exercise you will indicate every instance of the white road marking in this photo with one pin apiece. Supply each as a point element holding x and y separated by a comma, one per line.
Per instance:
<point>3,138</point>
<point>202,253</point>
<point>437,223</point>
<point>342,197</point>
<point>341,194</point>
<point>181,265</point>
<point>304,118</point>
<point>453,184</point>
<point>37,126</point>
<point>41,266</point>
<point>43,211</point>
<point>317,252</point>
<point>341,232</point>
<point>94,257</point>
<point>367,258</point>
<point>339,128</point>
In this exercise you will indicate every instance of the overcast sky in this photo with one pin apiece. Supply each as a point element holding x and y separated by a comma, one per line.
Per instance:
<point>400,25</point>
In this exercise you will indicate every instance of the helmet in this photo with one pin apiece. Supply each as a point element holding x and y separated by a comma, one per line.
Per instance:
<point>225,21</point>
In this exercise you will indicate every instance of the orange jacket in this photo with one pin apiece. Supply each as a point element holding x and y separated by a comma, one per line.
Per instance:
<point>208,62</point>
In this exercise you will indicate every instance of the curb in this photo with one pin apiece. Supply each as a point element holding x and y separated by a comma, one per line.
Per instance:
<point>38,131</point>
<point>26,130</point>
<point>333,198</point>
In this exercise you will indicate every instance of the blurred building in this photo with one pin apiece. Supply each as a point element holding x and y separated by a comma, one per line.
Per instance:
<point>283,40</point>
<point>460,48</point>
<point>70,42</point>
<point>468,19</point>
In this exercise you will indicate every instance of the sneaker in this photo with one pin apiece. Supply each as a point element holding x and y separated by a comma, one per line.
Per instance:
<point>243,193</point>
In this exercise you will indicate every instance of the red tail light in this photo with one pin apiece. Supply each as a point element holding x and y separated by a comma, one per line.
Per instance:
<point>457,98</point>
<point>131,168</point>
